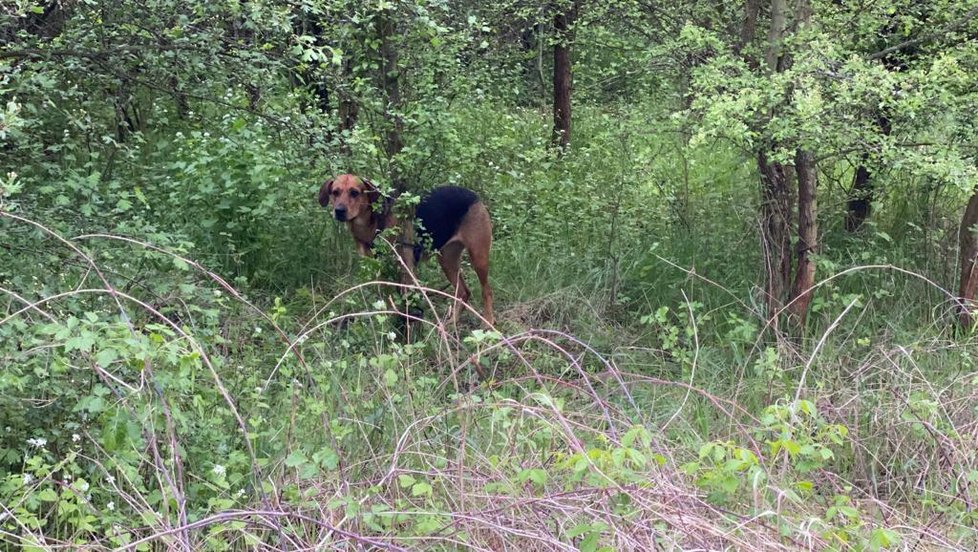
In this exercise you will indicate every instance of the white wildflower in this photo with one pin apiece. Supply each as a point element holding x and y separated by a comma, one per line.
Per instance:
<point>28,479</point>
<point>218,470</point>
<point>110,478</point>
<point>110,506</point>
<point>75,437</point>
<point>37,442</point>
<point>391,335</point>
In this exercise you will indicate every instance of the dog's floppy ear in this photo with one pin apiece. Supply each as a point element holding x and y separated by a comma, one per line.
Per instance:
<point>324,192</point>
<point>373,193</point>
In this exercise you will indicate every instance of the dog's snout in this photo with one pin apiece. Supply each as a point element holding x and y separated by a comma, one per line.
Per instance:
<point>340,213</point>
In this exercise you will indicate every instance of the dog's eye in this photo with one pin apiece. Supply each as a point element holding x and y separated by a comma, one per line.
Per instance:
<point>354,193</point>
<point>336,192</point>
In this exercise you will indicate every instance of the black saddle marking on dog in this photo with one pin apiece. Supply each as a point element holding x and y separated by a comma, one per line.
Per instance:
<point>441,213</point>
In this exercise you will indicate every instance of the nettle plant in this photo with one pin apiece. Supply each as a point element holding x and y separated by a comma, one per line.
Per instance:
<point>795,433</point>
<point>610,464</point>
<point>797,440</point>
<point>797,444</point>
<point>676,330</point>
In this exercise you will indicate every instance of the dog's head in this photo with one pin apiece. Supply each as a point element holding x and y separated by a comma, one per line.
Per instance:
<point>349,196</point>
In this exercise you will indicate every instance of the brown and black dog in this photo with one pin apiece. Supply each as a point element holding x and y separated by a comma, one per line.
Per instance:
<point>453,220</point>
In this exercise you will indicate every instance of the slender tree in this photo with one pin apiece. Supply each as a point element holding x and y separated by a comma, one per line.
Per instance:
<point>968,258</point>
<point>807,176</point>
<point>776,202</point>
<point>390,80</point>
<point>563,77</point>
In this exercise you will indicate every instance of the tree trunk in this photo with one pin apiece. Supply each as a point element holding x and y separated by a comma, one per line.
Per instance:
<point>752,9</point>
<point>969,261</point>
<point>861,195</point>
<point>126,115</point>
<point>393,136</point>
<point>390,80</point>
<point>801,294</point>
<point>180,99</point>
<point>349,109</point>
<point>330,95</point>
<point>775,36</point>
<point>775,231</point>
<point>563,23</point>
<point>240,30</point>
<point>312,74</point>
<point>47,23</point>
<point>775,188</point>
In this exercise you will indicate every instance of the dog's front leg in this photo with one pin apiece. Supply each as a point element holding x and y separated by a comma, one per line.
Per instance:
<point>364,249</point>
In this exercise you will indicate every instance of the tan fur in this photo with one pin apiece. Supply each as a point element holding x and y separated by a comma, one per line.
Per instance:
<point>354,197</point>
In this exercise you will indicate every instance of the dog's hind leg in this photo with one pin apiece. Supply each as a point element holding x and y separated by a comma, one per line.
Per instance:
<point>476,233</point>
<point>450,259</point>
<point>480,262</point>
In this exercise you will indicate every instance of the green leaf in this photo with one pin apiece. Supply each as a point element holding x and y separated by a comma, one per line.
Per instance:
<point>805,486</point>
<point>406,480</point>
<point>792,447</point>
<point>105,357</point>
<point>421,489</point>
<point>729,483</point>
<point>81,342</point>
<point>536,475</point>
<point>326,458</point>
<point>590,542</point>
<point>297,458</point>
<point>849,512</point>
<point>579,530</point>
<point>636,433</point>
<point>883,538</point>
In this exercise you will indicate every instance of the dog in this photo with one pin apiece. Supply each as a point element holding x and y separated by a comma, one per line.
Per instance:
<point>452,220</point>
